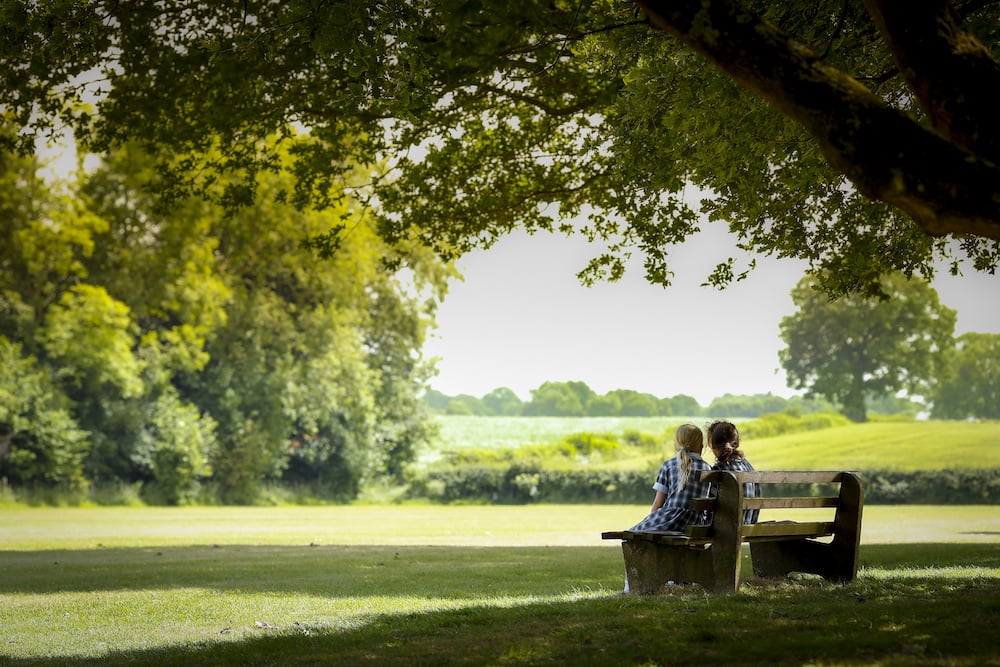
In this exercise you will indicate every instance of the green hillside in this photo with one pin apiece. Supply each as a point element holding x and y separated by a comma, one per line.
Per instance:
<point>900,446</point>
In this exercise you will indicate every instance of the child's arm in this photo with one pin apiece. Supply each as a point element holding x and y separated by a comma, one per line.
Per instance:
<point>661,498</point>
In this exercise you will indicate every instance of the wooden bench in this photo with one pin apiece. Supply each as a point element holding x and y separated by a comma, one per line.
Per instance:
<point>710,554</point>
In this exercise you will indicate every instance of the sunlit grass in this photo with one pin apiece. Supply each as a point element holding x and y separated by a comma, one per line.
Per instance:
<point>902,446</point>
<point>458,525</point>
<point>422,585</point>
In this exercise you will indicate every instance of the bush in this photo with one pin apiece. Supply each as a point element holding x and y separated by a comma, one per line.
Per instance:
<point>526,484</point>
<point>933,487</point>
<point>790,421</point>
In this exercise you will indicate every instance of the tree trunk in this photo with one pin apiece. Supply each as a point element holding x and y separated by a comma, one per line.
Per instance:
<point>945,187</point>
<point>853,405</point>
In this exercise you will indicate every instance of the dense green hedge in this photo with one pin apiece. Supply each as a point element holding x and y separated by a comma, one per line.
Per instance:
<point>525,484</point>
<point>933,487</point>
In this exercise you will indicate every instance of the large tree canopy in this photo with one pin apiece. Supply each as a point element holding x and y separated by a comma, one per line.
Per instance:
<point>166,347</point>
<point>859,137</point>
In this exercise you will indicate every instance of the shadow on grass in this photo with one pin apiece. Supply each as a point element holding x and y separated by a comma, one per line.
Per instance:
<point>922,619</point>
<point>438,571</point>
<point>341,571</point>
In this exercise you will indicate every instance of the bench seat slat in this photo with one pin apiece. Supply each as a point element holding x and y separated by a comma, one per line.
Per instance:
<point>657,536</point>
<point>787,529</point>
<point>751,532</point>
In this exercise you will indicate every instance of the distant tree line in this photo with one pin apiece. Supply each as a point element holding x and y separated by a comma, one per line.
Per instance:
<point>577,399</point>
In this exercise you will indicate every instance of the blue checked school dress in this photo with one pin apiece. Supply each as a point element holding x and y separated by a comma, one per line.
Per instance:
<point>750,490</point>
<point>675,515</point>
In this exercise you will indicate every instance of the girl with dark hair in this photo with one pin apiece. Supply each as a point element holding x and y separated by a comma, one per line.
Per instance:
<point>724,440</point>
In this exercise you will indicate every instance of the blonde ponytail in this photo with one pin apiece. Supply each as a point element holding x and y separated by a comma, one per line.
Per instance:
<point>684,461</point>
<point>687,439</point>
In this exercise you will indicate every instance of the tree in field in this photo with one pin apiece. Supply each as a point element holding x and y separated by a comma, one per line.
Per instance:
<point>685,405</point>
<point>503,401</point>
<point>859,137</point>
<point>970,384</point>
<point>558,399</point>
<point>605,405</point>
<point>858,346</point>
<point>436,400</point>
<point>466,404</point>
<point>635,403</point>
<point>730,405</point>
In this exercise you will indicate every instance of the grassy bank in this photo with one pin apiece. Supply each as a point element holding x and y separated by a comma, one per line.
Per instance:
<point>465,585</point>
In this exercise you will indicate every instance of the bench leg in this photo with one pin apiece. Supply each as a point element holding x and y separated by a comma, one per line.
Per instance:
<point>836,561</point>
<point>778,559</point>
<point>648,566</point>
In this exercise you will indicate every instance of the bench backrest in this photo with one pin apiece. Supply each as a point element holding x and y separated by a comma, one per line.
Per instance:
<point>729,504</point>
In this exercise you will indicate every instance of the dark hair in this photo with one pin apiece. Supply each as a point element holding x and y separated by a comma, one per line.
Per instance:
<point>725,441</point>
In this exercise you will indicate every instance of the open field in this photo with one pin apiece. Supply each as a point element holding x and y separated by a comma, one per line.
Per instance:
<point>899,446</point>
<point>904,446</point>
<point>472,585</point>
<point>465,432</point>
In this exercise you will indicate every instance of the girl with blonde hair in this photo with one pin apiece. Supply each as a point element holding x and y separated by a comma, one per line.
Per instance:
<point>676,484</point>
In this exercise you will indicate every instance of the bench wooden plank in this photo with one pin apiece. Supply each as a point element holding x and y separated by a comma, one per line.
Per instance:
<point>749,533</point>
<point>787,529</point>
<point>699,531</point>
<point>777,477</point>
<point>789,502</point>
<point>702,504</point>
<point>657,536</point>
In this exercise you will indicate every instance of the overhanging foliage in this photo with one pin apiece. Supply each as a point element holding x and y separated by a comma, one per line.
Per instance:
<point>859,138</point>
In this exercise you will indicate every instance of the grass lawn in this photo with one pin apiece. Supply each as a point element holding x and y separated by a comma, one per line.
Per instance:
<point>421,585</point>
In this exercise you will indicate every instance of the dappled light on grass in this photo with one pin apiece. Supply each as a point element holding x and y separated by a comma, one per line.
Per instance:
<point>928,621</point>
<point>915,573</point>
<point>91,601</point>
<point>215,601</point>
<point>90,625</point>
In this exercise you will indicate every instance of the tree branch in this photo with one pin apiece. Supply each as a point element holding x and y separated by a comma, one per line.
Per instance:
<point>885,153</point>
<point>951,73</point>
<point>581,104</point>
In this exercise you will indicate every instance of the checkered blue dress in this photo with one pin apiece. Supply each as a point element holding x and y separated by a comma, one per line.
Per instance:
<point>750,490</point>
<point>675,515</point>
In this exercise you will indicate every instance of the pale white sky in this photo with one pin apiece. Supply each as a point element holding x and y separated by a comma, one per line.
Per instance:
<point>521,318</point>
